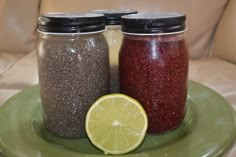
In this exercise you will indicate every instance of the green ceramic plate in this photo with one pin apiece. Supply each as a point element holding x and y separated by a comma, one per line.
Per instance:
<point>208,130</point>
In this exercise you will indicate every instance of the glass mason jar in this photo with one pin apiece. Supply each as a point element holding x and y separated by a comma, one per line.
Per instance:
<point>153,66</point>
<point>114,37</point>
<point>73,67</point>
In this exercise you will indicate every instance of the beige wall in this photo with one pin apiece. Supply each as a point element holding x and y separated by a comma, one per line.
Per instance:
<point>225,46</point>
<point>202,15</point>
<point>18,23</point>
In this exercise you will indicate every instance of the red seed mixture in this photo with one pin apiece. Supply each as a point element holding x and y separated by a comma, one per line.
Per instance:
<point>153,70</point>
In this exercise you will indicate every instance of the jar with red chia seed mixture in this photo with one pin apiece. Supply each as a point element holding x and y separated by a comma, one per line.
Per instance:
<point>153,66</point>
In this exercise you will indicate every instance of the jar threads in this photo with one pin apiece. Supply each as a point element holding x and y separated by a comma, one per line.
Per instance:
<point>153,66</point>
<point>73,65</point>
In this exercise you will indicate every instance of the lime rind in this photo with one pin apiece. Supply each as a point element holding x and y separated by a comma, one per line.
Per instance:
<point>106,114</point>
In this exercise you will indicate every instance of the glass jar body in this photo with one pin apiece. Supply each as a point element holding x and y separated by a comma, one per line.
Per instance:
<point>154,70</point>
<point>73,73</point>
<point>114,36</point>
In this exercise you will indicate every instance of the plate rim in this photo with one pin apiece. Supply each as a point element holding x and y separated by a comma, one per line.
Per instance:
<point>229,145</point>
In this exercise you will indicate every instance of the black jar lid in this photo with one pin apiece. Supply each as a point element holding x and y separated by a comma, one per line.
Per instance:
<point>113,17</point>
<point>151,23</point>
<point>71,22</point>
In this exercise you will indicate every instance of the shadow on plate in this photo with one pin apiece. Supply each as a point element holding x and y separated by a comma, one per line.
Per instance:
<point>151,142</point>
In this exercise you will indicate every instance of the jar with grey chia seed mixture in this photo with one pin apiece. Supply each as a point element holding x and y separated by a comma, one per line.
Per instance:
<point>73,67</point>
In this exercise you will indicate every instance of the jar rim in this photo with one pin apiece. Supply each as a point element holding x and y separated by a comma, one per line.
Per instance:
<point>153,34</point>
<point>113,16</point>
<point>69,34</point>
<point>153,22</point>
<point>69,22</point>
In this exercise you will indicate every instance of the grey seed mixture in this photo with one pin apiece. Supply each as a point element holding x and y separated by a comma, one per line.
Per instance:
<point>73,74</point>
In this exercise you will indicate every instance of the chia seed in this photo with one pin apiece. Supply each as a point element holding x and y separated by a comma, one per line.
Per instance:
<point>157,78</point>
<point>73,73</point>
<point>114,39</point>
<point>153,67</point>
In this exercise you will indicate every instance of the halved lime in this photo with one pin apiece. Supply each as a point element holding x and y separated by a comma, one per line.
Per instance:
<point>116,124</point>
